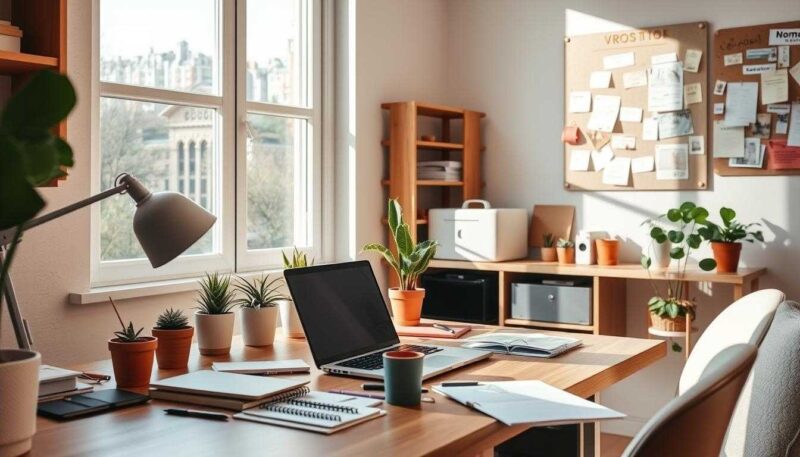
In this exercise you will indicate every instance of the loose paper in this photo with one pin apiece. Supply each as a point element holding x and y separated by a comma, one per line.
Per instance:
<point>719,87</point>
<point>665,87</point>
<point>758,69</point>
<point>650,129</point>
<point>697,145</point>
<point>783,56</point>
<point>580,101</point>
<point>642,164</point>
<point>781,156</point>
<point>762,127</point>
<point>599,79</point>
<point>672,161</point>
<point>784,37</point>
<point>728,141</point>
<point>794,126</point>
<point>634,79</point>
<point>579,159</point>
<point>692,93</point>
<point>604,115</point>
<point>795,72</point>
<point>678,123</point>
<point>602,157</point>
<point>753,155</point>
<point>625,59</point>
<point>626,142</point>
<point>664,58</point>
<point>769,54</point>
<point>691,61</point>
<point>733,59</point>
<point>617,172</point>
<point>630,114</point>
<point>741,104</point>
<point>719,108</point>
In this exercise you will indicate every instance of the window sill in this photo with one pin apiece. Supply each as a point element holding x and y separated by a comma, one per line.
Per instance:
<point>147,289</point>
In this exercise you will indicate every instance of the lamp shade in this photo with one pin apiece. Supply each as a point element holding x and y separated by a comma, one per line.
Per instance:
<point>167,224</point>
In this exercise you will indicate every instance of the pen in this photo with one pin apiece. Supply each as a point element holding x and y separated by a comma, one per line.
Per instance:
<point>378,386</point>
<point>445,328</point>
<point>357,394</point>
<point>197,413</point>
<point>459,383</point>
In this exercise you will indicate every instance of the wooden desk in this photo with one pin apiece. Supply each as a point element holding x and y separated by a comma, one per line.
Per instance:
<point>608,287</point>
<point>443,428</point>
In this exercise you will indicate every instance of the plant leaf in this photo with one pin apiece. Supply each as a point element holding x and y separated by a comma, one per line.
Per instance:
<point>646,262</point>
<point>677,253</point>
<point>394,214</point>
<point>43,102</point>
<point>405,245</point>
<point>674,215</point>
<point>675,236</point>
<point>694,240</point>
<point>708,264</point>
<point>727,215</point>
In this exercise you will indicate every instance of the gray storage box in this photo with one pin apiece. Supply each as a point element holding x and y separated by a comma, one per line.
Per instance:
<point>567,304</point>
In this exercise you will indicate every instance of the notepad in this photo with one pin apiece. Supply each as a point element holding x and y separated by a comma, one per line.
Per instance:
<point>528,402</point>
<point>227,385</point>
<point>263,367</point>
<point>527,344</point>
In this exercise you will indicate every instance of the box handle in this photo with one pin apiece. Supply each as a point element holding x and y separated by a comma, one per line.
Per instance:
<point>484,203</point>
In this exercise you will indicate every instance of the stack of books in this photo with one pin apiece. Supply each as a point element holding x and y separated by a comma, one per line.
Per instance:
<point>57,383</point>
<point>439,170</point>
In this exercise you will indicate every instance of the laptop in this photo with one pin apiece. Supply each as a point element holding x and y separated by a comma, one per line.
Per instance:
<point>348,326</point>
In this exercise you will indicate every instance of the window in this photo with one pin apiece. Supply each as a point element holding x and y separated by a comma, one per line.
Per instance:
<point>172,84</point>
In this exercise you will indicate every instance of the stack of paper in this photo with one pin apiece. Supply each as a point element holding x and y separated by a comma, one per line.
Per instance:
<point>441,170</point>
<point>56,383</point>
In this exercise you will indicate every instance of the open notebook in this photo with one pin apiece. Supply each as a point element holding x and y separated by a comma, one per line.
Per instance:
<point>319,412</point>
<point>528,402</point>
<point>527,344</point>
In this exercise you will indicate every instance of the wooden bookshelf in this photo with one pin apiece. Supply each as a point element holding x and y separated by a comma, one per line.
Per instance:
<point>20,63</point>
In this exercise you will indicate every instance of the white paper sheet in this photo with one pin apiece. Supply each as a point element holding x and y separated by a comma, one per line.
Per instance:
<point>697,145</point>
<point>623,142</point>
<point>650,129</point>
<point>758,69</point>
<point>664,58</point>
<point>784,56</point>
<point>678,123</point>
<point>691,60</point>
<point>599,79</point>
<point>794,126</point>
<point>634,79</point>
<point>782,108</point>
<point>728,141</point>
<point>617,172</point>
<point>665,87</point>
<point>733,59</point>
<point>602,157</point>
<point>579,159</point>
<point>741,104</point>
<point>630,114</point>
<point>692,93</point>
<point>614,61</point>
<point>753,155</point>
<point>672,161</point>
<point>605,112</point>
<point>719,108</point>
<point>784,37</point>
<point>719,87</point>
<point>580,101</point>
<point>643,164</point>
<point>795,72</point>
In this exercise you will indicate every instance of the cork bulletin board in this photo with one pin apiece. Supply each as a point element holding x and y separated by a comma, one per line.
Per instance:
<point>739,40</point>
<point>585,54</point>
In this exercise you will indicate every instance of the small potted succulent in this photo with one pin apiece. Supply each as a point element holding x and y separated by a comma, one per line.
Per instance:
<point>410,262</point>
<point>290,321</point>
<point>259,305</point>
<point>565,250</point>
<point>549,248</point>
<point>174,339</point>
<point>131,354</point>
<point>726,239</point>
<point>214,317</point>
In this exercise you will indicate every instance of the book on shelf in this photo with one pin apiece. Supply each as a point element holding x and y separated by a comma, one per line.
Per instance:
<point>525,344</point>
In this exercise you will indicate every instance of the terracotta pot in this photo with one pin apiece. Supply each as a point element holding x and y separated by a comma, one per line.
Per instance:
<point>566,256</point>
<point>290,321</point>
<point>668,324</point>
<point>727,256</point>
<point>406,305</point>
<point>19,392</point>
<point>258,325</point>
<point>549,254</point>
<point>214,333</point>
<point>174,346</point>
<point>607,251</point>
<point>133,362</point>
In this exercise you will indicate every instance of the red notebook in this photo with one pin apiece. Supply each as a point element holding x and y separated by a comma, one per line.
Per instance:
<point>428,331</point>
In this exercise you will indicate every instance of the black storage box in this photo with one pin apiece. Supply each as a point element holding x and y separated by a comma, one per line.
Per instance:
<point>460,295</point>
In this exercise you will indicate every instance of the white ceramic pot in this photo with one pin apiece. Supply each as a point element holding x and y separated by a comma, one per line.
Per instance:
<point>214,333</point>
<point>659,254</point>
<point>258,325</point>
<point>19,392</point>
<point>290,321</point>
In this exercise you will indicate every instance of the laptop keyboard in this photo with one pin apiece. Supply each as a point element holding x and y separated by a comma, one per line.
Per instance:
<point>374,361</point>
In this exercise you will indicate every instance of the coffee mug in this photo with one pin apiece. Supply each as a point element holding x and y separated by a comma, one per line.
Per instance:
<point>403,377</point>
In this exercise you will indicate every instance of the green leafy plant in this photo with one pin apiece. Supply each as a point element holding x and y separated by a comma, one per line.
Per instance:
<point>172,319</point>
<point>127,334</point>
<point>30,154</point>
<point>216,295</point>
<point>412,258</point>
<point>562,243</point>
<point>260,293</point>
<point>298,260</point>
<point>731,231</point>
<point>547,240</point>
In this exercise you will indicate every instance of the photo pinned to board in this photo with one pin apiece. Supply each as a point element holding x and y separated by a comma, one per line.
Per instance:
<point>672,161</point>
<point>762,127</point>
<point>697,145</point>
<point>753,155</point>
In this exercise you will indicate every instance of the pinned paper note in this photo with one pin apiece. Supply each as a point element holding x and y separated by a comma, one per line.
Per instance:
<point>784,55</point>
<point>634,79</point>
<point>697,145</point>
<point>643,164</point>
<point>781,113</point>
<point>630,114</point>
<point>719,108</point>
<point>617,172</point>
<point>678,123</point>
<point>728,141</point>
<point>599,79</point>
<point>672,161</point>
<point>650,129</point>
<point>733,59</point>
<point>625,142</point>
<point>579,159</point>
<point>795,72</point>
<point>784,37</point>
<point>758,69</point>
<point>664,58</point>
<point>692,93</point>
<point>753,155</point>
<point>719,87</point>
<point>602,157</point>
<point>614,61</point>
<point>691,61</point>
<point>768,54</point>
<point>605,112</point>
<point>794,126</point>
<point>580,101</point>
<point>740,104</point>
<point>665,87</point>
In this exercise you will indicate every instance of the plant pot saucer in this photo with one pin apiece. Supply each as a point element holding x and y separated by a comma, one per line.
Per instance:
<point>668,334</point>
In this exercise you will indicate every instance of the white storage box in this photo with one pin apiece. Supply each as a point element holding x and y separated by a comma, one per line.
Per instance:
<point>479,234</point>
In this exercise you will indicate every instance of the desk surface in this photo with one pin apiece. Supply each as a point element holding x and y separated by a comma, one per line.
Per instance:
<point>445,427</point>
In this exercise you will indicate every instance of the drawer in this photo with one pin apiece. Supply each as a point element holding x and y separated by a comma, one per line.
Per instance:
<point>551,303</point>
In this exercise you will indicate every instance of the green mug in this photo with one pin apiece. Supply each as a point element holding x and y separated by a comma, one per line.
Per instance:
<point>403,377</point>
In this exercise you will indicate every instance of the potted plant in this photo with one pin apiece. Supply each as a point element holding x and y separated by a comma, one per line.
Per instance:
<point>214,317</point>
<point>669,308</point>
<point>131,354</point>
<point>548,248</point>
<point>259,306</point>
<point>411,261</point>
<point>174,339</point>
<point>607,251</point>
<point>30,156</point>
<point>726,239</point>
<point>658,245</point>
<point>290,321</point>
<point>565,249</point>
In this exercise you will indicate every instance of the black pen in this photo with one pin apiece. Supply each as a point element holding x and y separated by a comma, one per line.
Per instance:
<point>460,383</point>
<point>377,386</point>
<point>445,328</point>
<point>197,413</point>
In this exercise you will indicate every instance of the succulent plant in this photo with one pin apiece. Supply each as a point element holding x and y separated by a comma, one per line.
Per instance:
<point>260,293</point>
<point>562,243</point>
<point>172,319</point>
<point>127,334</point>
<point>548,240</point>
<point>299,259</point>
<point>216,296</point>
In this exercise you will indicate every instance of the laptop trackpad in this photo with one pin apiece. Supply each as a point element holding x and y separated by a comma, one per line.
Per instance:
<point>439,361</point>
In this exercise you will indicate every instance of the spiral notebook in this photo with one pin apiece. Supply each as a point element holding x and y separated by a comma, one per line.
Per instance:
<point>314,411</point>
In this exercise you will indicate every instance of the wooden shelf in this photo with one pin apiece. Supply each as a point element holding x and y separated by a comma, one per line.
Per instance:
<point>14,63</point>
<point>434,110</point>
<point>439,145</point>
<point>431,183</point>
<point>551,325</point>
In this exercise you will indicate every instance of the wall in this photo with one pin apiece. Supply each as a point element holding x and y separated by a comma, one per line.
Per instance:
<point>506,58</point>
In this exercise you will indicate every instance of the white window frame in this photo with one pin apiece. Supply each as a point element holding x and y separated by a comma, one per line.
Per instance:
<point>230,180</point>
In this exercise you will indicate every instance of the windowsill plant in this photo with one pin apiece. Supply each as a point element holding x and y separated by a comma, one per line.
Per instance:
<point>565,249</point>
<point>214,317</point>
<point>726,239</point>
<point>290,321</point>
<point>259,309</point>
<point>548,248</point>
<point>174,339</point>
<point>131,354</point>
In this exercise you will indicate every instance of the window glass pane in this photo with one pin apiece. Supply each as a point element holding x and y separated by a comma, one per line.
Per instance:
<point>276,180</point>
<point>277,51</point>
<point>147,141</point>
<point>170,44</point>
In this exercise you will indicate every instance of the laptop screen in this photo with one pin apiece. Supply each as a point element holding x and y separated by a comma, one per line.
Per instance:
<point>342,310</point>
